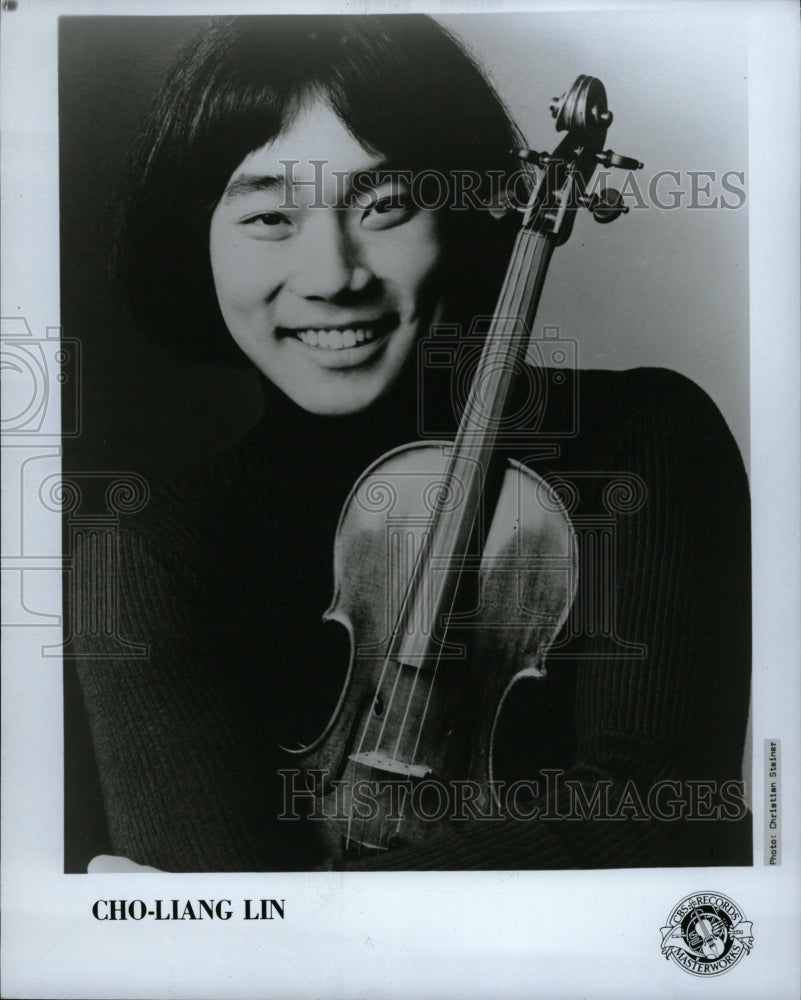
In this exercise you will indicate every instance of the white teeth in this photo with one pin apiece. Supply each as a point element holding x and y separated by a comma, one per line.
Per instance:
<point>336,340</point>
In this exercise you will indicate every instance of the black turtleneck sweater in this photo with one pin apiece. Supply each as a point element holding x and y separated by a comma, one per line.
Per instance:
<point>226,574</point>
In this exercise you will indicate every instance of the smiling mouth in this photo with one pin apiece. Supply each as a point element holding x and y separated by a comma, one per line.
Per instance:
<point>342,337</point>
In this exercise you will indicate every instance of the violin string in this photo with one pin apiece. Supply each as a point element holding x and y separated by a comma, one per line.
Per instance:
<point>521,269</point>
<point>360,746</point>
<point>387,713</point>
<point>363,818</point>
<point>417,671</point>
<point>523,266</point>
<point>404,574</point>
<point>408,576</point>
<point>380,837</point>
<point>519,288</point>
<point>387,707</point>
<point>352,768</point>
<point>528,272</point>
<point>524,262</point>
<point>382,677</point>
<point>517,275</point>
<point>386,716</point>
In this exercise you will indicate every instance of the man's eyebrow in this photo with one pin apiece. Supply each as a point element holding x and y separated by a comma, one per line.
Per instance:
<point>377,173</point>
<point>244,184</point>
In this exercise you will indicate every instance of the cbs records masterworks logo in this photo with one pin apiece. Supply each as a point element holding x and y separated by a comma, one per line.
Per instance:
<point>706,934</point>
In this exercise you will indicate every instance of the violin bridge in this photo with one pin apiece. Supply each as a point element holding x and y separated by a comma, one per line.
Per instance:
<point>391,765</point>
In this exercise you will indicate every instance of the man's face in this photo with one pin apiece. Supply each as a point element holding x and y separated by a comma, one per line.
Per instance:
<point>325,294</point>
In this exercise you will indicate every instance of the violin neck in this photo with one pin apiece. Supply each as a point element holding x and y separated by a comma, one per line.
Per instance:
<point>505,346</point>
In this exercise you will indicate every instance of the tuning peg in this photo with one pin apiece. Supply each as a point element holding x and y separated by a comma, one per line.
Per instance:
<point>608,158</point>
<point>607,205</point>
<point>532,156</point>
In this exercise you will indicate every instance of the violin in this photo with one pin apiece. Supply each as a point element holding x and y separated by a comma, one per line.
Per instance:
<point>708,935</point>
<point>455,567</point>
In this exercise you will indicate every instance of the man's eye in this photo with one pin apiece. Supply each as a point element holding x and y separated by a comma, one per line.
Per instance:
<point>269,225</point>
<point>388,211</point>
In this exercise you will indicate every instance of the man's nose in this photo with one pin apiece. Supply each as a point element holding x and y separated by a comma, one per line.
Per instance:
<point>327,261</point>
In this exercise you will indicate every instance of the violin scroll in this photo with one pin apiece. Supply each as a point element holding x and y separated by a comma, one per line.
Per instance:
<point>560,180</point>
<point>583,109</point>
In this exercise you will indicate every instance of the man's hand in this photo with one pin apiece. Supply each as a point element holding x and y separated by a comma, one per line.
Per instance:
<point>106,864</point>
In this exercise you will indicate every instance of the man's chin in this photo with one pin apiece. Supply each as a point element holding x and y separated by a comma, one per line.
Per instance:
<point>344,399</point>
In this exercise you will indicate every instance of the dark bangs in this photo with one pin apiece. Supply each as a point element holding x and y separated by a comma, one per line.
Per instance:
<point>402,86</point>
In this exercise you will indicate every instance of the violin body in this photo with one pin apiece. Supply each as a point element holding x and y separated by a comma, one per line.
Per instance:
<point>404,732</point>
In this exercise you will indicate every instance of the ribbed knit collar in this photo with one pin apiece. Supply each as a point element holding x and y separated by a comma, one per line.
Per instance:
<point>340,444</point>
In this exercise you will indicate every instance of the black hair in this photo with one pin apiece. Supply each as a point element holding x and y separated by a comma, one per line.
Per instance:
<point>402,86</point>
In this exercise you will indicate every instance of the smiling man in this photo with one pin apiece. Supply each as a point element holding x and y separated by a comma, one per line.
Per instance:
<point>265,227</point>
<point>325,293</point>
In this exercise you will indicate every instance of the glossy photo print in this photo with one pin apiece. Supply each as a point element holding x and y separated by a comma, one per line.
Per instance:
<point>391,542</point>
<point>342,211</point>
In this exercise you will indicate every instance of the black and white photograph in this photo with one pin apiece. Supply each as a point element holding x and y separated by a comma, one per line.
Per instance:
<point>401,485</point>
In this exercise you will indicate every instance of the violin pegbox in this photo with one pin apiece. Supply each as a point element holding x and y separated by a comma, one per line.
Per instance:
<point>561,179</point>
